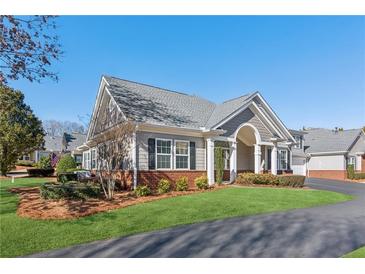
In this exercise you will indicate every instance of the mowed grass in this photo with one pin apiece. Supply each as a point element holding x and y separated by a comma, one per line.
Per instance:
<point>21,236</point>
<point>358,253</point>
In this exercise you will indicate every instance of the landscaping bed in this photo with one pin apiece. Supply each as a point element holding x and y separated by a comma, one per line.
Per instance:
<point>32,205</point>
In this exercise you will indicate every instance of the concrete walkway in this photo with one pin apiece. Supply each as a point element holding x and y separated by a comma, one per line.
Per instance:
<point>326,231</point>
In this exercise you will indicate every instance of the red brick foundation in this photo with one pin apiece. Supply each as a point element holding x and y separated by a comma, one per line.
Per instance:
<point>328,174</point>
<point>152,177</point>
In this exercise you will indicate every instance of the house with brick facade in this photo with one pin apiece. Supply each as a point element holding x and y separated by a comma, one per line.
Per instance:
<point>176,133</point>
<point>329,152</point>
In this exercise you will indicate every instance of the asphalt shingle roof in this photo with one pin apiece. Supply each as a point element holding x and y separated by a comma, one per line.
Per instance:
<point>145,103</point>
<point>326,140</point>
<point>54,143</point>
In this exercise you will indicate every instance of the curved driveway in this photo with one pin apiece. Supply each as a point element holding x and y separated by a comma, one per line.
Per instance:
<point>326,231</point>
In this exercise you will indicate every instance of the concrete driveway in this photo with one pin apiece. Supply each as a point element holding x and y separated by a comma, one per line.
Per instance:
<point>326,231</point>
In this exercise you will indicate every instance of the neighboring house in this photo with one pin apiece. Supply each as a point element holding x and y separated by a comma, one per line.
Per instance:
<point>329,152</point>
<point>68,143</point>
<point>299,158</point>
<point>176,133</point>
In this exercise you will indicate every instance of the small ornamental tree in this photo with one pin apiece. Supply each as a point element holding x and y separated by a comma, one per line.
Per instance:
<point>66,162</point>
<point>44,162</point>
<point>113,152</point>
<point>219,165</point>
<point>21,131</point>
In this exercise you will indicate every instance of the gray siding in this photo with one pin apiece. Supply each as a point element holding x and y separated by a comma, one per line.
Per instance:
<point>247,116</point>
<point>142,148</point>
<point>359,145</point>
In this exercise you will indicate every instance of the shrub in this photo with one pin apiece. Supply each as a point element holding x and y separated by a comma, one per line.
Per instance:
<point>291,180</point>
<point>65,163</point>
<point>359,176</point>
<point>182,184</point>
<point>164,186</point>
<point>24,163</point>
<point>219,165</point>
<point>71,190</point>
<point>142,191</point>
<point>256,179</point>
<point>40,172</point>
<point>65,177</point>
<point>350,172</point>
<point>202,182</point>
<point>44,162</point>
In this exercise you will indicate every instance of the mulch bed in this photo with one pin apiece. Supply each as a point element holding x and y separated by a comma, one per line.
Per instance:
<point>33,206</point>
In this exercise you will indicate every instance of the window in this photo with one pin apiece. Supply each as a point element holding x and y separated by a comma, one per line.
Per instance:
<point>352,161</point>
<point>163,154</point>
<point>86,155</point>
<point>298,140</point>
<point>282,159</point>
<point>182,155</point>
<point>93,158</point>
<point>226,156</point>
<point>78,159</point>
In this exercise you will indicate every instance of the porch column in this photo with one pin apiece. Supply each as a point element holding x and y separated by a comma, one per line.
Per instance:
<point>134,160</point>
<point>210,161</point>
<point>274,159</point>
<point>257,159</point>
<point>233,162</point>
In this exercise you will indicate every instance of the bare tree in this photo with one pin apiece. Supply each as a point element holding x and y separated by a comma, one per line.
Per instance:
<point>113,148</point>
<point>58,128</point>
<point>28,47</point>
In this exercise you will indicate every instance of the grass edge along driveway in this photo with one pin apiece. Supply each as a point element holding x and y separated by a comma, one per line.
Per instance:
<point>358,253</point>
<point>22,236</point>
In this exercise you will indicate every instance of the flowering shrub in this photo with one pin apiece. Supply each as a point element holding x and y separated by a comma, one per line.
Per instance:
<point>182,184</point>
<point>164,186</point>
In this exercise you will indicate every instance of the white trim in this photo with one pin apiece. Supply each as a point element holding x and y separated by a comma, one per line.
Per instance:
<point>273,127</point>
<point>275,116</point>
<point>210,161</point>
<point>257,134</point>
<point>134,160</point>
<point>171,153</point>
<point>175,154</point>
<point>327,153</point>
<point>236,112</point>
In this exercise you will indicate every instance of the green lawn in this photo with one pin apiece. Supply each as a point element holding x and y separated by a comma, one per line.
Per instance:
<point>358,253</point>
<point>21,236</point>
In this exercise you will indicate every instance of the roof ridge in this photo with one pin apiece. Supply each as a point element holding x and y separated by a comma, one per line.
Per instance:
<point>244,95</point>
<point>163,89</point>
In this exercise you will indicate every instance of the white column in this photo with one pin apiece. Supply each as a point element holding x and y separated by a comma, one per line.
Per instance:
<point>134,160</point>
<point>274,159</point>
<point>233,162</point>
<point>210,161</point>
<point>257,154</point>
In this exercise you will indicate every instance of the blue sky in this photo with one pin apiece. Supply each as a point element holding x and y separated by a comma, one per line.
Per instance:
<point>311,70</point>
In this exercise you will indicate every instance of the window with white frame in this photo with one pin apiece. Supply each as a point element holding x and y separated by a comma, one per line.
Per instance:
<point>93,158</point>
<point>182,154</point>
<point>282,159</point>
<point>352,161</point>
<point>298,140</point>
<point>163,154</point>
<point>226,157</point>
<point>86,157</point>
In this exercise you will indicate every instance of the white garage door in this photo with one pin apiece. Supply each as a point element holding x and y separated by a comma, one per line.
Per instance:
<point>299,169</point>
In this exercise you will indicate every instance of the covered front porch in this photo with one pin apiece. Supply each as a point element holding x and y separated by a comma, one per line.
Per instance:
<point>246,152</point>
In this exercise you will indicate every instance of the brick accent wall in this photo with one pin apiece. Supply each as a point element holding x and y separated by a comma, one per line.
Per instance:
<point>363,163</point>
<point>328,174</point>
<point>152,177</point>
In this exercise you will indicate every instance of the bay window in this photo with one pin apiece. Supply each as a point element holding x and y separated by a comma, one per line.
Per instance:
<point>182,154</point>
<point>163,154</point>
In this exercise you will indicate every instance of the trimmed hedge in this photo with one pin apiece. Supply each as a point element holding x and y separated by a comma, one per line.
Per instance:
<point>201,182</point>
<point>141,191</point>
<point>256,179</point>
<point>291,180</point>
<point>182,184</point>
<point>359,176</point>
<point>40,172</point>
<point>269,179</point>
<point>71,190</point>
<point>350,172</point>
<point>25,163</point>
<point>164,186</point>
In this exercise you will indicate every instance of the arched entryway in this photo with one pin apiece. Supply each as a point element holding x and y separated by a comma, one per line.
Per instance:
<point>246,150</point>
